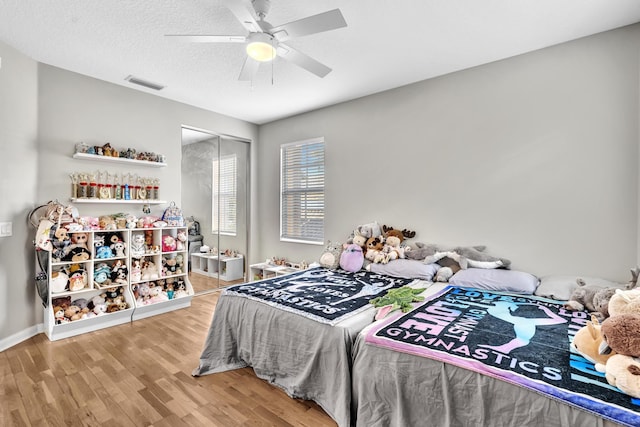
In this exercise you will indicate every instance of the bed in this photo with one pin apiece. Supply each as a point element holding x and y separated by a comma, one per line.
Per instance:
<point>398,383</point>
<point>306,354</point>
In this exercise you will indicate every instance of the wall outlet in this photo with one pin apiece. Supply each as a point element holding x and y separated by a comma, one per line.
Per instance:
<point>6,229</point>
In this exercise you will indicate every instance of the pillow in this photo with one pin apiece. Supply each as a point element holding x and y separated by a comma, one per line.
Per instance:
<point>406,268</point>
<point>496,280</point>
<point>561,287</point>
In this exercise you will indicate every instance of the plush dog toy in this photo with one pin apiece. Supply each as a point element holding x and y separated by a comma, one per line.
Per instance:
<point>624,302</point>
<point>586,342</point>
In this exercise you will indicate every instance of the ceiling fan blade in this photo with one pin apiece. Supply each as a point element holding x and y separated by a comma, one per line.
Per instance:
<point>243,13</point>
<point>207,38</point>
<point>302,60</point>
<point>326,21</point>
<point>249,70</point>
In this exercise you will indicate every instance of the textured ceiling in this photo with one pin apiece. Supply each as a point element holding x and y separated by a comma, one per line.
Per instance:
<point>387,43</point>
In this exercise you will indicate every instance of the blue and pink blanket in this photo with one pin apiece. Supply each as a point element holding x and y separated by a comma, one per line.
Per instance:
<point>521,339</point>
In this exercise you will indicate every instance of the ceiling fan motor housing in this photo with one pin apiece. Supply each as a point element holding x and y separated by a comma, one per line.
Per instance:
<point>261,7</point>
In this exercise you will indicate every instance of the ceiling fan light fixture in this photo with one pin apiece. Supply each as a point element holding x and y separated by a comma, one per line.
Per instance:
<point>260,47</point>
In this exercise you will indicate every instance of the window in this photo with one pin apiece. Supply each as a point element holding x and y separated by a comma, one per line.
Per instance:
<point>224,195</point>
<point>302,191</point>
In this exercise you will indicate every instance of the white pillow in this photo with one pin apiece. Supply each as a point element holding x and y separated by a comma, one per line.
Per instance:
<point>561,287</point>
<point>496,280</point>
<point>406,268</point>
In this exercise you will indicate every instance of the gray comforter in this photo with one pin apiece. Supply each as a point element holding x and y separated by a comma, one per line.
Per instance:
<point>307,359</point>
<point>394,389</point>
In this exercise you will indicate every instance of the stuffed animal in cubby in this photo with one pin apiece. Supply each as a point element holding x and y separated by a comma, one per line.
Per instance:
<point>118,248</point>
<point>181,240</point>
<point>168,243</point>
<point>137,249</point>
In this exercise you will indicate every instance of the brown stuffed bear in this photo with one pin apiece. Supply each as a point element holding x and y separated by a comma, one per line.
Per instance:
<point>621,334</point>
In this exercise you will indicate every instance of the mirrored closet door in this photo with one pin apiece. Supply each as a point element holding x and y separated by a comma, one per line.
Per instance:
<point>215,197</point>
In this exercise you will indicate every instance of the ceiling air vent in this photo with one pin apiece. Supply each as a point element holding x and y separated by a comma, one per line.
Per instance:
<point>145,83</point>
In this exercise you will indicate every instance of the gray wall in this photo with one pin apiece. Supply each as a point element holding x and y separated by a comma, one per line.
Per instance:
<point>535,156</point>
<point>18,190</point>
<point>72,108</point>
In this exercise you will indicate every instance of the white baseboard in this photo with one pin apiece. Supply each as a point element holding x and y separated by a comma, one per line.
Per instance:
<point>23,335</point>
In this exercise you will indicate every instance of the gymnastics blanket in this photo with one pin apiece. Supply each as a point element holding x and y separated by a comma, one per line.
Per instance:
<point>521,339</point>
<point>325,295</point>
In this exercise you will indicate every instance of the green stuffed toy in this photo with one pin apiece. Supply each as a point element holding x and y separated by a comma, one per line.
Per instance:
<point>399,298</point>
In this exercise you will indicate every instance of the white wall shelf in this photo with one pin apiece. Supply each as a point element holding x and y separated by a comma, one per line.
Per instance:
<point>95,157</point>
<point>119,201</point>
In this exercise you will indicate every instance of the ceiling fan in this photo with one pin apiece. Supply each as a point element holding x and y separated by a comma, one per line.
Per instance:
<point>264,41</point>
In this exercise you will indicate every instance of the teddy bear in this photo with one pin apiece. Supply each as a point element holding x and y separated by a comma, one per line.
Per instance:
<point>621,334</point>
<point>330,257</point>
<point>77,279</point>
<point>351,258</point>
<point>587,341</point>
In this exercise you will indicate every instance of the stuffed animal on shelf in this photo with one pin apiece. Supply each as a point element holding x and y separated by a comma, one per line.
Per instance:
<point>351,258</point>
<point>150,271</point>
<point>104,252</point>
<point>587,341</point>
<point>102,275</point>
<point>181,240</point>
<point>119,272</point>
<point>118,248</point>
<point>168,243</point>
<point>77,254</point>
<point>179,264</point>
<point>330,258</point>
<point>137,249</point>
<point>60,240</point>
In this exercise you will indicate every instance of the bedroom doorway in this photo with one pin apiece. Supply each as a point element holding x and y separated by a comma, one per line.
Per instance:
<point>215,203</point>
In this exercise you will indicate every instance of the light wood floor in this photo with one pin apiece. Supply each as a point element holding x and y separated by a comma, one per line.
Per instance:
<point>139,374</point>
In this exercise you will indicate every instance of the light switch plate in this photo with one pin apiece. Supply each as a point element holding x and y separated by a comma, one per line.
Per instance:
<point>6,229</point>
